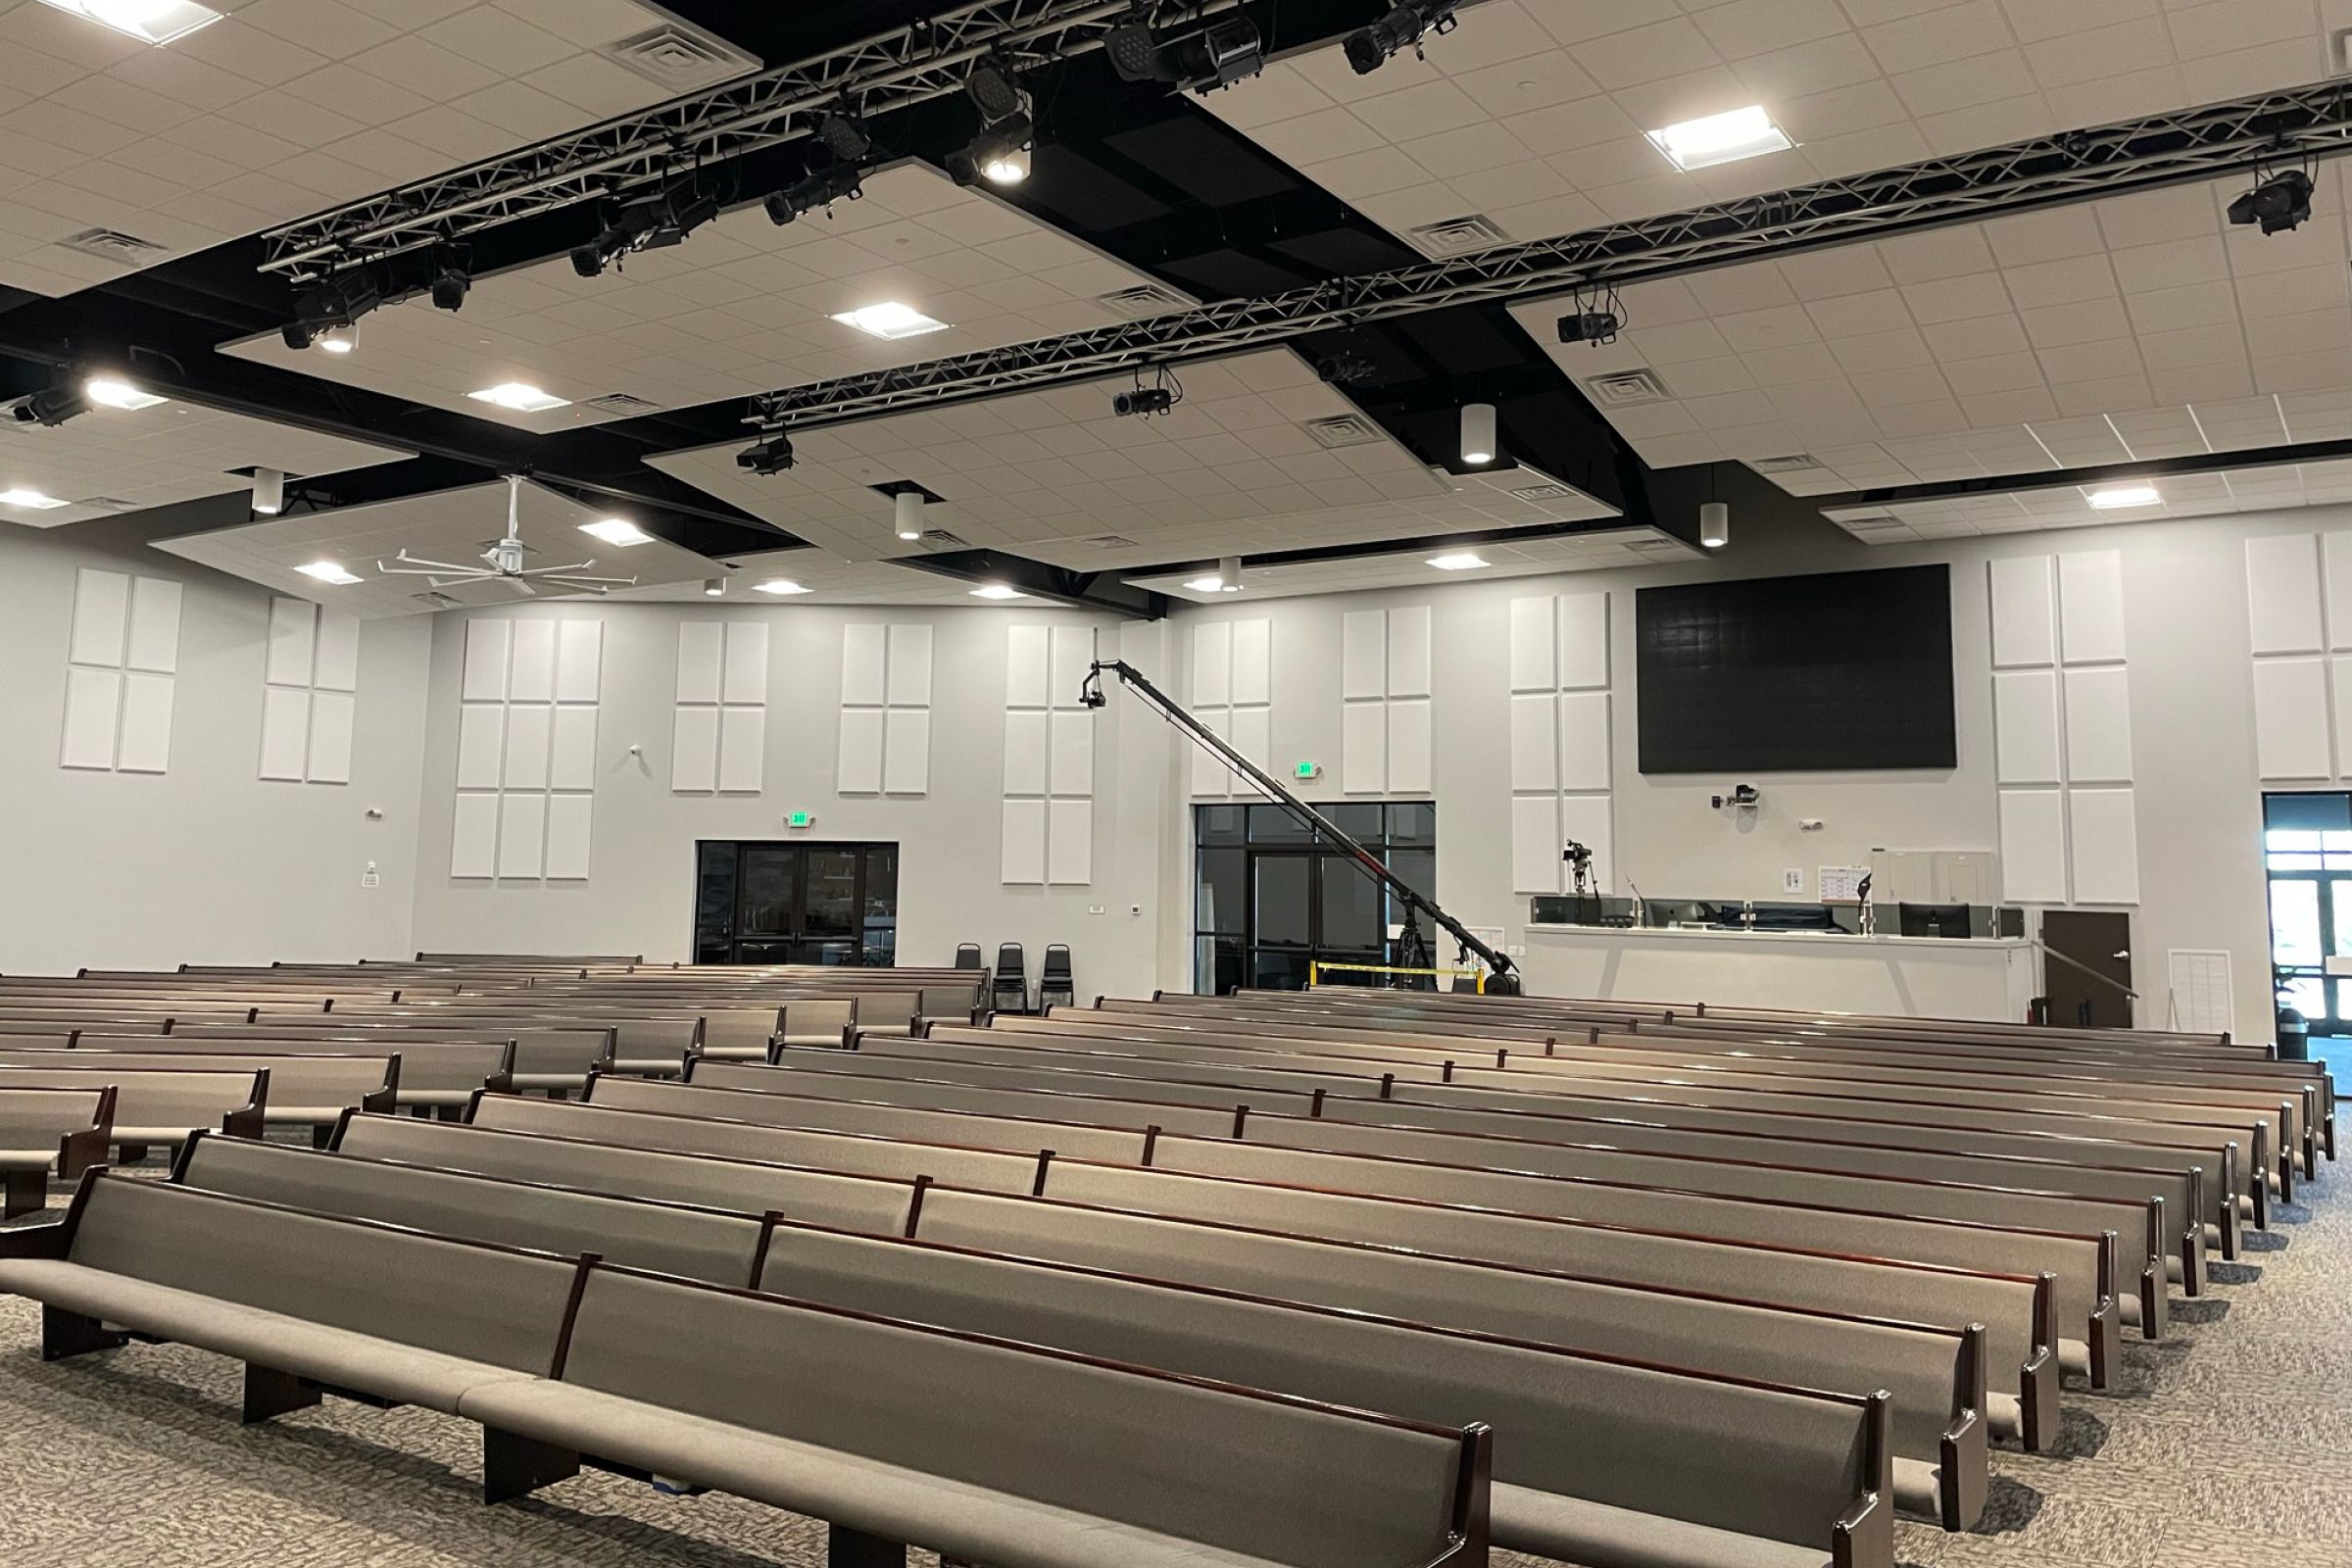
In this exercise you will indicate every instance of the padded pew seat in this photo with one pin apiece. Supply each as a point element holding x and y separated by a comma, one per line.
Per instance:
<point>1596,1535</point>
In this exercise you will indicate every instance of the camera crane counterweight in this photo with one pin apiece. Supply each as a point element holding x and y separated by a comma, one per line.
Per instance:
<point>1501,976</point>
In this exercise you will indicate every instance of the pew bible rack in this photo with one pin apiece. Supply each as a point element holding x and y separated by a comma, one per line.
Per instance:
<point>1502,978</point>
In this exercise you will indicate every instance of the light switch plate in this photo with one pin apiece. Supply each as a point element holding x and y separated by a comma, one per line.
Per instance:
<point>1793,879</point>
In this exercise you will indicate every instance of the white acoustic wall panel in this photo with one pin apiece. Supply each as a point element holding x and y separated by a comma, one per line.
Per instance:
<point>701,653</point>
<point>2106,845</point>
<point>1584,642</point>
<point>293,642</point>
<point>146,746</point>
<point>1533,622</point>
<point>568,818</point>
<point>2098,725</point>
<point>2339,685</point>
<point>907,751</point>
<point>285,735</point>
<point>2032,846</point>
<point>694,750</point>
<point>572,758</point>
<point>474,836</point>
<point>746,678</point>
<point>580,661</point>
<point>1070,838</point>
<point>2024,613</point>
<point>101,616</point>
<point>1253,663</point>
<point>1536,839</point>
<point>1363,655</point>
<point>742,748</point>
<point>1026,674</point>
<point>531,663</point>
<point>1363,749</point>
<point>2024,726</point>
<point>1073,650</point>
<point>336,664</point>
<point>1211,777</point>
<point>910,679</point>
<point>1408,746</point>
<point>1252,737</point>
<point>864,654</point>
<point>2282,594</point>
<point>1587,819</point>
<point>529,728</point>
<point>481,739</point>
<point>1074,763</point>
<point>153,642</point>
<point>2290,720</point>
<point>2337,556</point>
<point>521,835</point>
<point>1409,652</point>
<point>2091,607</point>
<point>485,679</point>
<point>1212,665</point>
<point>1025,747</point>
<point>1023,850</point>
<point>860,764</point>
<point>1534,740</point>
<point>93,718</point>
<point>329,761</point>
<point>1585,741</point>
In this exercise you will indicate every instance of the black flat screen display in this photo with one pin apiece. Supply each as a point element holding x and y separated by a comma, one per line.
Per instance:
<point>1833,671</point>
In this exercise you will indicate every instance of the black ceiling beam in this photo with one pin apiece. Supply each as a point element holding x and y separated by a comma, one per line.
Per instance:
<point>1080,590</point>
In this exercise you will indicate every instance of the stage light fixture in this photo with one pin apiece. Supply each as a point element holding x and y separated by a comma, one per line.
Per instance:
<point>845,136</point>
<point>113,392</point>
<point>52,406</point>
<point>994,90</point>
<point>1714,525</point>
<point>1478,432</point>
<point>1404,28</point>
<point>1589,326</point>
<point>770,456</point>
<point>1143,402</point>
<point>449,287</point>
<point>334,302</point>
<point>835,182</point>
<point>907,507</point>
<point>2279,203</point>
<point>998,154</point>
<point>268,492</point>
<point>653,223</point>
<point>1226,51</point>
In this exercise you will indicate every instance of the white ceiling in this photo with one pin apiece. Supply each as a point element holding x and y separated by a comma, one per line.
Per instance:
<point>2199,495</point>
<point>829,579</point>
<point>450,525</point>
<point>2134,327</point>
<point>156,456</point>
<point>281,109</point>
<point>1051,475</point>
<point>1533,113</point>
<point>1582,552</point>
<point>742,306</point>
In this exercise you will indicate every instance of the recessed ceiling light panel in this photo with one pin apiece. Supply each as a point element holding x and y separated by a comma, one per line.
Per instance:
<point>328,572</point>
<point>890,320</point>
<point>781,586</point>
<point>997,590</point>
<point>148,21</point>
<point>30,500</point>
<point>519,396</point>
<point>113,392</point>
<point>619,532</point>
<point>1458,561</point>
<point>1721,139</point>
<point>2118,497</point>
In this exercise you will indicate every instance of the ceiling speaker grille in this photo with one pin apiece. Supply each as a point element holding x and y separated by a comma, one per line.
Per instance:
<point>1625,389</point>
<point>1458,237</point>
<point>1344,430</point>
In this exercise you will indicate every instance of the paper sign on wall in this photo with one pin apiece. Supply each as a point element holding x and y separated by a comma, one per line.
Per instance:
<point>1843,883</point>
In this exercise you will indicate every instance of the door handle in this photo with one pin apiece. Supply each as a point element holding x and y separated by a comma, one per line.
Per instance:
<point>2125,954</point>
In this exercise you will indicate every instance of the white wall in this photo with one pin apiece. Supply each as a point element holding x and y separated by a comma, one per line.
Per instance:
<point>2198,792</point>
<point>638,894</point>
<point>204,862</point>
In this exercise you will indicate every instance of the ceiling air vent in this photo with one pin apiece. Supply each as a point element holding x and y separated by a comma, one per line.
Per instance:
<point>1107,541</point>
<point>941,539</point>
<point>1793,463</point>
<point>1145,299</point>
<point>1874,523</point>
<point>622,402</point>
<point>112,245</point>
<point>110,504</point>
<point>1655,547</point>
<point>1626,390</point>
<point>435,600</point>
<point>1547,491</point>
<point>1344,430</point>
<point>679,56</point>
<point>1459,236</point>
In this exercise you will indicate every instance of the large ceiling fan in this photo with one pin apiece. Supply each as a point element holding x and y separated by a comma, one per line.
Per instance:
<point>504,562</point>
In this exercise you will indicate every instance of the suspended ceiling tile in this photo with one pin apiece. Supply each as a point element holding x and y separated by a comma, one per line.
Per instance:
<point>1591,551</point>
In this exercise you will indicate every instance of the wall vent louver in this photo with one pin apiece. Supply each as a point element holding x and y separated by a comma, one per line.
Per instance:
<point>1344,430</point>
<point>1145,299</point>
<point>676,55</point>
<point>1459,236</point>
<point>112,245</point>
<point>1625,389</point>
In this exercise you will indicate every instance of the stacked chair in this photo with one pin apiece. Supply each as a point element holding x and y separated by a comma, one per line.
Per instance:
<point>1342,1278</point>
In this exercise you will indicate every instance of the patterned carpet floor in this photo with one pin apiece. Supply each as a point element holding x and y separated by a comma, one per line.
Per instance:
<point>2229,1445</point>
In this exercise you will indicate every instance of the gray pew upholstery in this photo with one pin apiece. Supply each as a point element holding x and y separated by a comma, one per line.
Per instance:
<point>44,1130</point>
<point>159,1105</point>
<point>436,1073</point>
<point>304,1090</point>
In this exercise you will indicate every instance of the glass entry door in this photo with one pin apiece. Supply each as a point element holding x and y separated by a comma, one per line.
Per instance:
<point>1271,897</point>
<point>796,903</point>
<point>2307,853</point>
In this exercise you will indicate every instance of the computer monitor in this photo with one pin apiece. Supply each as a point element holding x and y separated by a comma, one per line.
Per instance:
<point>1934,919</point>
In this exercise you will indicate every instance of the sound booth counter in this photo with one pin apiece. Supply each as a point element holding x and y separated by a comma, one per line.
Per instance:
<point>1991,979</point>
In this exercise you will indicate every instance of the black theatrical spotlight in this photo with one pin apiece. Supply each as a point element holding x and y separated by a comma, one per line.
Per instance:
<point>1226,51</point>
<point>1000,153</point>
<point>336,302</point>
<point>773,455</point>
<point>450,286</point>
<point>836,182</point>
<point>845,136</point>
<point>658,220</point>
<point>1404,28</point>
<point>61,400</point>
<point>2280,202</point>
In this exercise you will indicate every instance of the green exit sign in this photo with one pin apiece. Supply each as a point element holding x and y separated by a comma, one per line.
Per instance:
<point>799,818</point>
<point>1306,772</point>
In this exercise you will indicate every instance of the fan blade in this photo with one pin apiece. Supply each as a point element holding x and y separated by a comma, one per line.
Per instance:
<point>543,572</point>
<point>520,587</point>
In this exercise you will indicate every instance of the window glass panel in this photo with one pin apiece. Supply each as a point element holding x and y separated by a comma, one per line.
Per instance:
<point>1221,900</point>
<point>2307,995</point>
<point>1278,971</point>
<point>1274,824</point>
<point>2280,838</point>
<point>1418,870</point>
<point>1351,904</point>
<point>2295,923</point>
<point>832,895</point>
<point>2338,863</point>
<point>881,934</point>
<point>1359,819</point>
<point>2336,841</point>
<point>766,907</point>
<point>2339,891</point>
<point>1283,898</point>
<point>2294,863</point>
<point>1220,824</point>
<point>714,902</point>
<point>1413,822</point>
<point>1217,965</point>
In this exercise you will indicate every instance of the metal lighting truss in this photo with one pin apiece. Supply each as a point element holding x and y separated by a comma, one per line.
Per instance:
<point>889,71</point>
<point>2161,150</point>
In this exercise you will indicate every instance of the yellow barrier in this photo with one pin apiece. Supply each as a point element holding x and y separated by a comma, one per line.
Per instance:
<point>1314,972</point>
